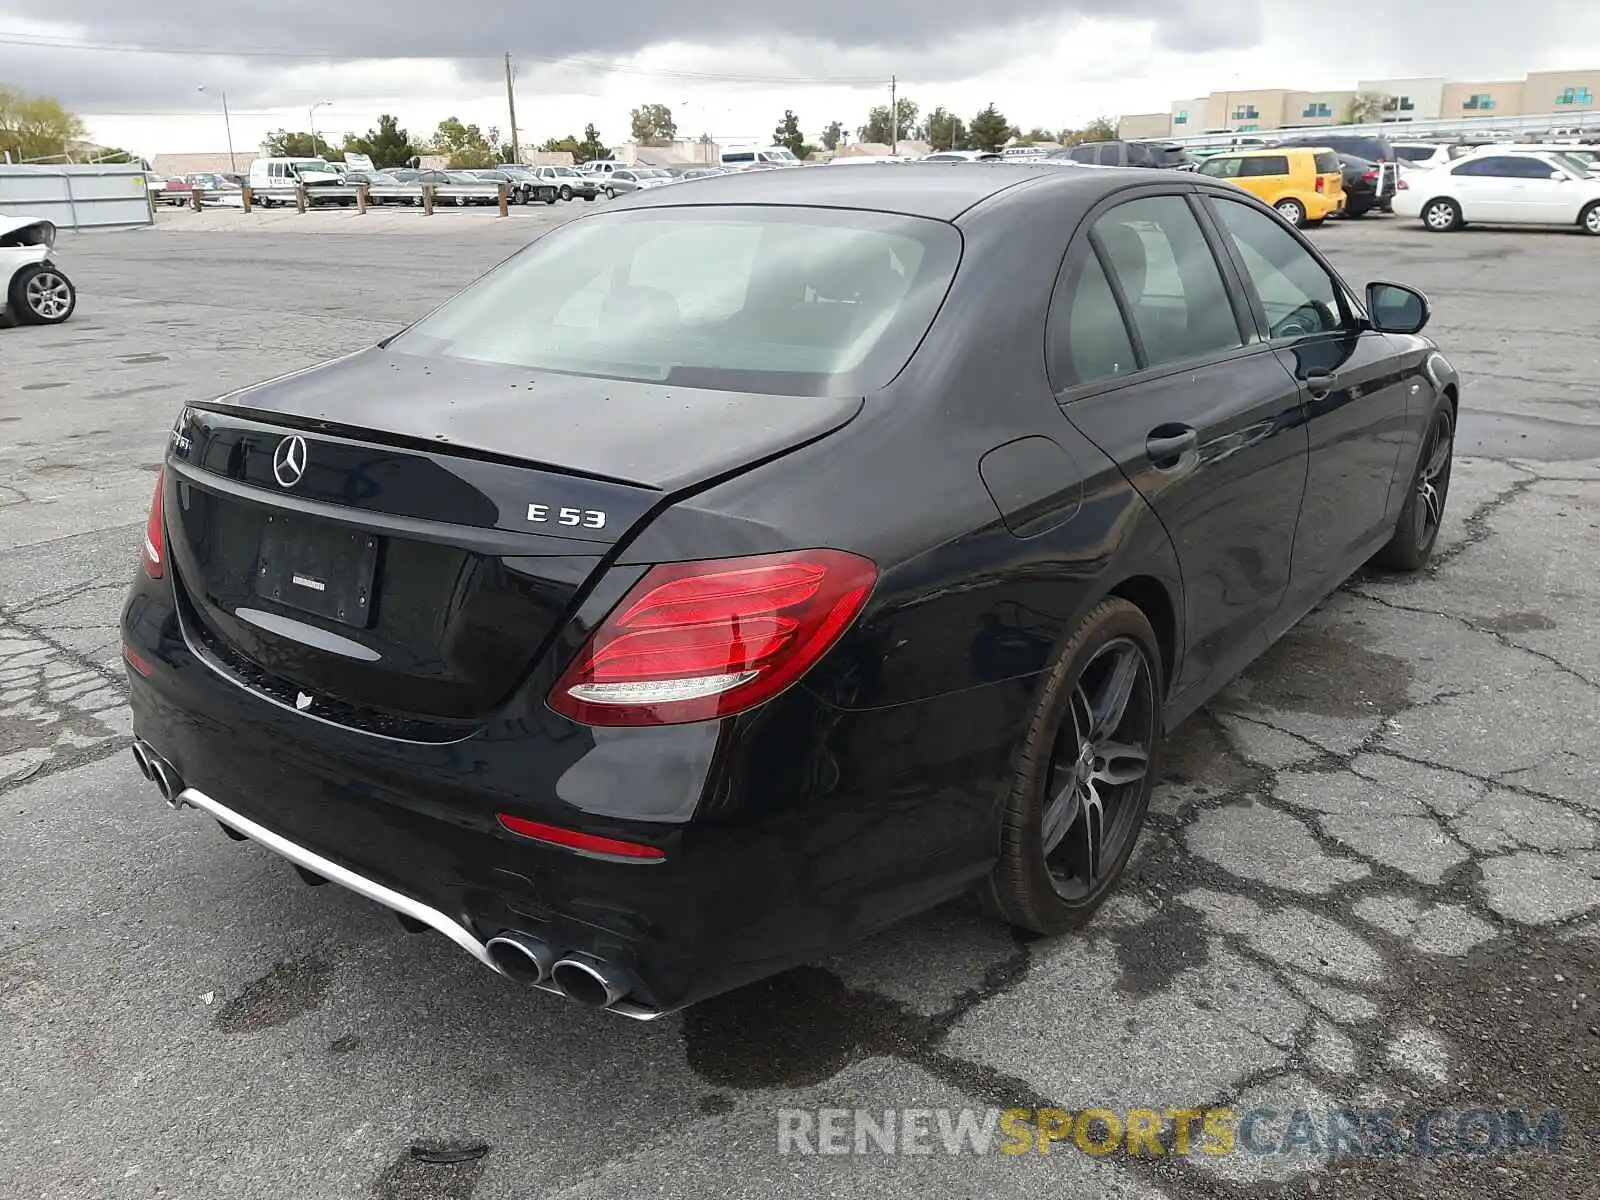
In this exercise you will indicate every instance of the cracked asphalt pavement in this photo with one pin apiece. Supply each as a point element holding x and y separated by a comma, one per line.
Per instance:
<point>1371,875</point>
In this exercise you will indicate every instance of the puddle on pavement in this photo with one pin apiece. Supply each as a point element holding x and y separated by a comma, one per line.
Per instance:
<point>1198,752</point>
<point>1155,951</point>
<point>1322,672</point>
<point>287,991</point>
<point>793,1030</point>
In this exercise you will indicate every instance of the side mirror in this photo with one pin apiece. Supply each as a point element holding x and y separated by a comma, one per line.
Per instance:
<point>1395,308</point>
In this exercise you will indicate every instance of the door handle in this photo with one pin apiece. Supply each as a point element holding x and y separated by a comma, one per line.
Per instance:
<point>1167,444</point>
<point>1319,383</point>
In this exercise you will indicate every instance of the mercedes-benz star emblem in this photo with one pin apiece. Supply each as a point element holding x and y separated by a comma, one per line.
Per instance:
<point>289,461</point>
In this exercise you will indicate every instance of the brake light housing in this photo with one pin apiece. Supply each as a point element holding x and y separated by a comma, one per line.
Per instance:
<point>1321,183</point>
<point>700,640</point>
<point>155,532</point>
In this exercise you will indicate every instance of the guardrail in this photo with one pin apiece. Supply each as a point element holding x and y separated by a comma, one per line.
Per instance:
<point>427,196</point>
<point>1586,123</point>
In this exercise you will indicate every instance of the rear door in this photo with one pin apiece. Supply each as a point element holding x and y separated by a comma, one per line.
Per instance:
<point>1330,173</point>
<point>1152,360</point>
<point>1354,387</point>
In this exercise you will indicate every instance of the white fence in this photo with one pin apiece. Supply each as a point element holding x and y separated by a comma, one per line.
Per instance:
<point>84,196</point>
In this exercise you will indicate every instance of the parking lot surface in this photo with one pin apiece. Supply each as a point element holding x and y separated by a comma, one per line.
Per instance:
<point>1370,879</point>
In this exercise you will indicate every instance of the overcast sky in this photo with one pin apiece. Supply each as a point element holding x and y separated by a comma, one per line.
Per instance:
<point>135,67</point>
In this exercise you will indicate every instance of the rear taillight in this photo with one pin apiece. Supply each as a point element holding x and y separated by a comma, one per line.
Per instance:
<point>694,641</point>
<point>1401,185</point>
<point>155,533</point>
<point>1321,183</point>
<point>583,843</point>
<point>1371,175</point>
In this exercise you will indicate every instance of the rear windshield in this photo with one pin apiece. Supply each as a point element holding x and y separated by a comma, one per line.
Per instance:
<point>782,300</point>
<point>1327,161</point>
<point>1416,153</point>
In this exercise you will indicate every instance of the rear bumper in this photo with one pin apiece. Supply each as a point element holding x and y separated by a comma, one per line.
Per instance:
<point>785,836</point>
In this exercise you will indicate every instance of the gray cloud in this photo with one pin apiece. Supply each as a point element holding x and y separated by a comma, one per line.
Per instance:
<point>824,40</point>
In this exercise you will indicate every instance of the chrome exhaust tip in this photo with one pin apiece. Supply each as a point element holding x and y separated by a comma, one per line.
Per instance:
<point>519,957</point>
<point>167,783</point>
<point>142,757</point>
<point>590,981</point>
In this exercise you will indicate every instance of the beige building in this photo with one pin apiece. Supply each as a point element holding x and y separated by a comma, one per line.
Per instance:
<point>1423,98</point>
<point>1561,91</point>
<point>1145,125</point>
<point>1495,98</point>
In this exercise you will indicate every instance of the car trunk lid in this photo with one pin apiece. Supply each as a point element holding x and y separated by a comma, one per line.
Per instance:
<point>394,546</point>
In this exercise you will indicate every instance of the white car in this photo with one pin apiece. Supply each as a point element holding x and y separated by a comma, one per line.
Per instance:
<point>1503,187</point>
<point>33,289</point>
<point>1421,156</point>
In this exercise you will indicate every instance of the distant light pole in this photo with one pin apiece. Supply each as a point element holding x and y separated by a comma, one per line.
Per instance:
<point>311,116</point>
<point>227,124</point>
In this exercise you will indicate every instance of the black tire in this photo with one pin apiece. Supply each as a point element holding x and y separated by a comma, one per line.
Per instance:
<point>566,192</point>
<point>1317,224</point>
<point>550,198</point>
<point>1417,531</point>
<point>1589,219</point>
<point>1026,888</point>
<point>611,193</point>
<point>1292,211</point>
<point>41,294</point>
<point>1441,215</point>
<point>589,197</point>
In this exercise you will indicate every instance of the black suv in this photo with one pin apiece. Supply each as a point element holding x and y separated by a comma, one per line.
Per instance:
<point>1375,150</point>
<point>1129,154</point>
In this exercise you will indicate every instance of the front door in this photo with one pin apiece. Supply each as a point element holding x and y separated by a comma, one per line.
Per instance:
<point>1156,363</point>
<point>1355,390</point>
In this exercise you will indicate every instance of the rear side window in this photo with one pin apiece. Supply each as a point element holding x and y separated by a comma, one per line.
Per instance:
<point>1110,155</point>
<point>1088,338</point>
<point>738,158</point>
<point>1176,299</point>
<point>1221,168</point>
<point>1327,162</point>
<point>775,300</point>
<point>1263,165</point>
<point>1083,154</point>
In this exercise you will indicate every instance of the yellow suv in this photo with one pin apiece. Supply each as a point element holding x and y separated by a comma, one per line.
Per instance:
<point>1306,186</point>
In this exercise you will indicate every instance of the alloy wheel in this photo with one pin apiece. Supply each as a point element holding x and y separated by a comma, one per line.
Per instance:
<point>49,295</point>
<point>1441,216</point>
<point>1098,766</point>
<point>1433,481</point>
<point>1591,220</point>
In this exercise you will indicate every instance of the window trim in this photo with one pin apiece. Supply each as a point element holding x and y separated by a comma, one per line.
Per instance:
<point>1351,311</point>
<point>1083,240</point>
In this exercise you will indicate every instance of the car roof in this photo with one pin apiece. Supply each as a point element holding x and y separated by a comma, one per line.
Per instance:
<point>911,189</point>
<point>1261,151</point>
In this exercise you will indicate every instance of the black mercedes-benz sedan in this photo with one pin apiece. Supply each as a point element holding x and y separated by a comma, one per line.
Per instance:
<point>739,569</point>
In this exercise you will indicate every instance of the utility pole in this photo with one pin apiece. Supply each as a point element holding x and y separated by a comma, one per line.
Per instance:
<point>511,103</point>
<point>894,119</point>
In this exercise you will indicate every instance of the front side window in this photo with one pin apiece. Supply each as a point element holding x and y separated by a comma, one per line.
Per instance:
<point>1177,301</point>
<point>1222,168</point>
<point>776,300</point>
<point>1297,295</point>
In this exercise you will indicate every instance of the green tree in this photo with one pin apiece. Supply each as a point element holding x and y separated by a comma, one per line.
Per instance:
<point>281,143</point>
<point>832,135</point>
<point>879,127</point>
<point>587,150</point>
<point>35,126</point>
<point>111,154</point>
<point>387,145</point>
<point>652,125</point>
<point>466,146</point>
<point>788,134</point>
<point>592,147</point>
<point>1101,129</point>
<point>946,130</point>
<point>1365,108</point>
<point>989,130</point>
<point>1036,135</point>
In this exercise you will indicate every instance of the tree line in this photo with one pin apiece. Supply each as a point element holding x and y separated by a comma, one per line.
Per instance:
<point>38,127</point>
